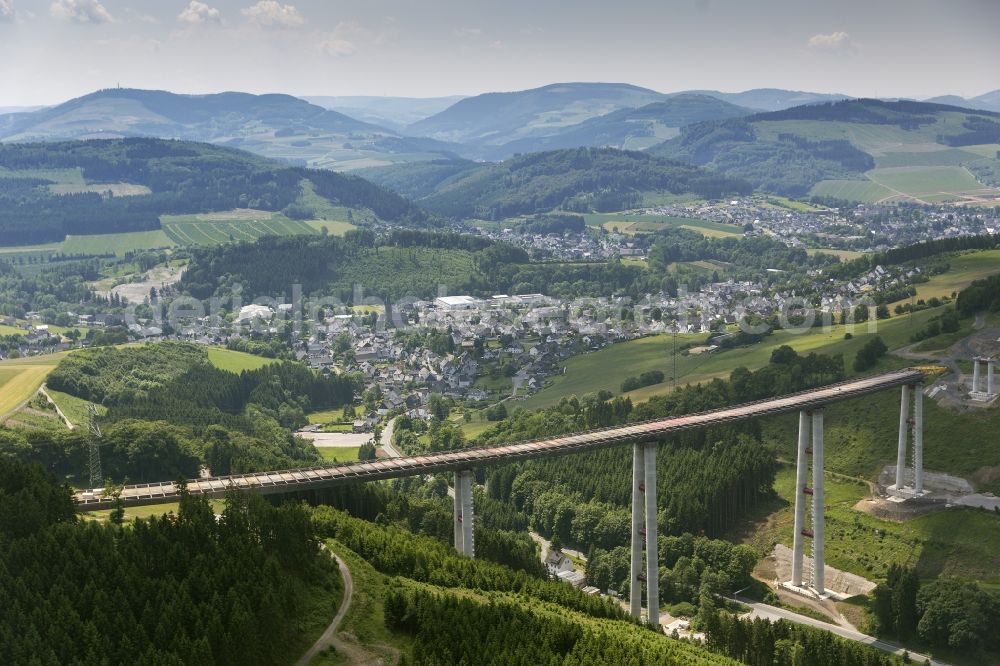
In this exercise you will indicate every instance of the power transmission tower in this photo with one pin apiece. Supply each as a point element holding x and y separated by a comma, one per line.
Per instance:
<point>96,478</point>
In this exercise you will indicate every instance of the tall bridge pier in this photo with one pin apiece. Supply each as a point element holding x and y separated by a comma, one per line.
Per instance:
<point>810,427</point>
<point>979,392</point>
<point>644,530</point>
<point>464,518</point>
<point>910,424</point>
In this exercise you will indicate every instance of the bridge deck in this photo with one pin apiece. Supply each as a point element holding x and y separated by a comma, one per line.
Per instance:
<point>316,477</point>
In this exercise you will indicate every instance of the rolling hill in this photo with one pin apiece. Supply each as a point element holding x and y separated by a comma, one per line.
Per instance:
<point>279,126</point>
<point>986,102</point>
<point>770,99</point>
<point>116,186</point>
<point>496,118</point>
<point>579,179</point>
<point>392,112</point>
<point>628,129</point>
<point>855,150</point>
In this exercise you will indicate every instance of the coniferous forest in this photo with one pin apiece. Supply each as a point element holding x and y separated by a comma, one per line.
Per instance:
<point>184,588</point>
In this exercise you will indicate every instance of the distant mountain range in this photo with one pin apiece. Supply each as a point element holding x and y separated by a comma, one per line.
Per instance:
<point>352,132</point>
<point>279,126</point>
<point>854,150</point>
<point>392,112</point>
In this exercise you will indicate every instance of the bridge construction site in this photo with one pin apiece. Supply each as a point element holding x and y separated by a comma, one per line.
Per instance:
<point>642,436</point>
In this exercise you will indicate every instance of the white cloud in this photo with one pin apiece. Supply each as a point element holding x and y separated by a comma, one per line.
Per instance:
<point>273,14</point>
<point>836,41</point>
<point>198,12</point>
<point>337,48</point>
<point>80,11</point>
<point>468,32</point>
<point>342,41</point>
<point>7,14</point>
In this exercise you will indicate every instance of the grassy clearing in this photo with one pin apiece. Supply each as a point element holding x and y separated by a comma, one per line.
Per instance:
<point>844,255</point>
<point>75,409</point>
<point>365,619</point>
<point>946,157</point>
<point>326,416</point>
<point>964,269</point>
<point>338,454</point>
<point>236,361</point>
<point>20,379</point>
<point>608,368</point>
<point>133,512</point>
<point>954,542</point>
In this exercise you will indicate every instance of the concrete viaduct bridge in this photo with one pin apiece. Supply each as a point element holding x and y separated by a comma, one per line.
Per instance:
<point>642,436</point>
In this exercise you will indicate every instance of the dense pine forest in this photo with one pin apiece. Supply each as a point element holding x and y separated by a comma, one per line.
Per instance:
<point>182,178</point>
<point>184,588</point>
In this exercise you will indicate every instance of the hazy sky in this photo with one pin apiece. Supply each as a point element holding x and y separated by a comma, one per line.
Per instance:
<point>54,50</point>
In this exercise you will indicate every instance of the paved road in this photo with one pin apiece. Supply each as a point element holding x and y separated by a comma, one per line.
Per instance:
<point>774,613</point>
<point>386,441</point>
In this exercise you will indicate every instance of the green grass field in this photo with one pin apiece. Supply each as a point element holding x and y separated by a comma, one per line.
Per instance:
<point>236,361</point>
<point>338,454</point>
<point>954,542</point>
<point>20,379</point>
<point>851,190</point>
<point>964,269</point>
<point>608,368</point>
<point>326,416</point>
<point>946,157</point>
<point>844,255</point>
<point>75,409</point>
<point>633,224</point>
<point>930,183</point>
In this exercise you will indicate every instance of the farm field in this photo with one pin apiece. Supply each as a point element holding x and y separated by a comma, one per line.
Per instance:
<point>238,225</point>
<point>236,361</point>
<point>939,183</point>
<point>965,269</point>
<point>851,190</point>
<point>633,224</point>
<point>21,377</point>
<point>608,368</point>
<point>845,255</point>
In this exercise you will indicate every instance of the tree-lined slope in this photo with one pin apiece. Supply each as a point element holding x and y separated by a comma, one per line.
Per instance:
<point>906,150</point>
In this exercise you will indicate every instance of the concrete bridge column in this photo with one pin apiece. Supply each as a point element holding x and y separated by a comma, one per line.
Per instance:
<point>652,549</point>
<point>918,438</point>
<point>459,533</point>
<point>468,546</point>
<point>975,375</point>
<point>990,386</point>
<point>818,509</point>
<point>801,498</point>
<point>638,505</point>
<point>904,418</point>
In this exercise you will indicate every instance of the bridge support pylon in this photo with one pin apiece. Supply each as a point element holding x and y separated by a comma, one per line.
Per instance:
<point>908,425</point>
<point>810,428</point>
<point>463,513</point>
<point>644,529</point>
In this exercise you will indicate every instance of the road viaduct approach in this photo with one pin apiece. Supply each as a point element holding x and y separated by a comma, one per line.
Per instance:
<point>643,436</point>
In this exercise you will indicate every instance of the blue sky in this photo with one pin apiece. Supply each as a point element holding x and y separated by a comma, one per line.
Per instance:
<point>52,50</point>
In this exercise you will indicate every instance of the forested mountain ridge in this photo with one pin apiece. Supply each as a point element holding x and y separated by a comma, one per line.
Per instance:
<point>500,117</point>
<point>629,128</point>
<point>164,177</point>
<point>274,125</point>
<point>578,179</point>
<point>791,150</point>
